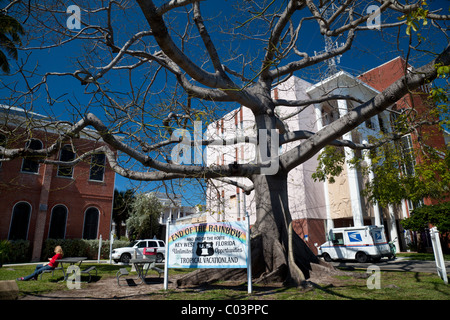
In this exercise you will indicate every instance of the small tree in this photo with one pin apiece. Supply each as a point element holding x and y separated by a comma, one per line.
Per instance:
<point>437,215</point>
<point>123,201</point>
<point>424,217</point>
<point>145,212</point>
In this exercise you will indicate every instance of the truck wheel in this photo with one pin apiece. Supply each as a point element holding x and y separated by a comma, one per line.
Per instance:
<point>327,257</point>
<point>125,258</point>
<point>361,257</point>
<point>159,257</point>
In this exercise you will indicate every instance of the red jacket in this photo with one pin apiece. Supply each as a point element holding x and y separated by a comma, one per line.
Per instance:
<point>53,262</point>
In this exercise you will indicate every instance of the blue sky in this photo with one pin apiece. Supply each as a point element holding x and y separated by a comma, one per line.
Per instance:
<point>371,48</point>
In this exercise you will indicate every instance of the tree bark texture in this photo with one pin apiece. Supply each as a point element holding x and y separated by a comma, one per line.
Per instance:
<point>269,241</point>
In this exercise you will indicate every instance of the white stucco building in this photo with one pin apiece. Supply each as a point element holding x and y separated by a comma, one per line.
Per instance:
<point>179,214</point>
<point>315,206</point>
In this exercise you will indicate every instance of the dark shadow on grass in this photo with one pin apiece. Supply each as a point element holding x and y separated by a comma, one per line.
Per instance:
<point>237,291</point>
<point>328,289</point>
<point>44,297</point>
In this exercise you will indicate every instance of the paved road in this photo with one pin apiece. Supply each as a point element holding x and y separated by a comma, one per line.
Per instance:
<point>398,264</point>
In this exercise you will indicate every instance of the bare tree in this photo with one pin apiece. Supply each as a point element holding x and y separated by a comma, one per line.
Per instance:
<point>161,65</point>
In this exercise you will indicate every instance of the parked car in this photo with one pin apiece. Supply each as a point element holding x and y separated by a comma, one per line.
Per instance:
<point>126,253</point>
<point>360,243</point>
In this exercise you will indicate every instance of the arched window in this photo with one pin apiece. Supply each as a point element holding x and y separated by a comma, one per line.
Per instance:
<point>31,164</point>
<point>18,229</point>
<point>58,222</point>
<point>97,167</point>
<point>90,228</point>
<point>67,154</point>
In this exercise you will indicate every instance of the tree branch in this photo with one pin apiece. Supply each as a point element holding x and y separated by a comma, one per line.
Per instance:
<point>365,111</point>
<point>245,188</point>
<point>301,103</point>
<point>291,7</point>
<point>165,170</point>
<point>165,42</point>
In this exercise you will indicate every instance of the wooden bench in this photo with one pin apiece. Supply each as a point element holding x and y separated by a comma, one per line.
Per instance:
<point>85,271</point>
<point>88,271</point>
<point>159,270</point>
<point>120,273</point>
<point>50,270</point>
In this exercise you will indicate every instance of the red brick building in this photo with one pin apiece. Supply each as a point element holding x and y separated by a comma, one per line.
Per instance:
<point>380,78</point>
<point>40,201</point>
<point>383,76</point>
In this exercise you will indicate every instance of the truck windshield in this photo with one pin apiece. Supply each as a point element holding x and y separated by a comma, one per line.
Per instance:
<point>132,243</point>
<point>378,236</point>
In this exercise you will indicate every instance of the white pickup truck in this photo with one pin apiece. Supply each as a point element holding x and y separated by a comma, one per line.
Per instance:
<point>360,243</point>
<point>126,253</point>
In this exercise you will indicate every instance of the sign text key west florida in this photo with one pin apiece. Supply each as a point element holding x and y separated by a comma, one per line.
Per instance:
<point>208,245</point>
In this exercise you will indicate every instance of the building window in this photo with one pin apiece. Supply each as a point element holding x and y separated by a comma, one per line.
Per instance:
<point>90,228</point>
<point>382,124</point>
<point>97,167</point>
<point>66,154</point>
<point>58,222</point>
<point>329,114</point>
<point>20,220</point>
<point>31,164</point>
<point>370,124</point>
<point>233,201</point>
<point>408,159</point>
<point>2,144</point>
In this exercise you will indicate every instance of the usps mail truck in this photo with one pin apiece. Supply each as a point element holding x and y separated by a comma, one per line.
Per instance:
<point>360,243</point>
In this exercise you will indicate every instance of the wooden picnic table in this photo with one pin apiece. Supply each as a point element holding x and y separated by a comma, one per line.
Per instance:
<point>70,261</point>
<point>142,266</point>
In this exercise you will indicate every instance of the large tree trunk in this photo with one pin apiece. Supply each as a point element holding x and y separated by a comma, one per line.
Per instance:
<point>270,241</point>
<point>272,226</point>
<point>277,255</point>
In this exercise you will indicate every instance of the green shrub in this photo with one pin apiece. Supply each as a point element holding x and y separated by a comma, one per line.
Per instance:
<point>14,251</point>
<point>5,249</point>
<point>20,251</point>
<point>79,248</point>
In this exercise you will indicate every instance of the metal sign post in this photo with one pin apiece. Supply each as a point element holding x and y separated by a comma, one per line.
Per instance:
<point>249,256</point>
<point>111,241</point>
<point>99,248</point>
<point>166,256</point>
<point>438,256</point>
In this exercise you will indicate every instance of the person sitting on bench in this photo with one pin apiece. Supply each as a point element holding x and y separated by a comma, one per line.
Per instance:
<point>41,268</point>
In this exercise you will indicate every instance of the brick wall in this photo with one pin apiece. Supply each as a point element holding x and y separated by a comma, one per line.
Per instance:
<point>46,189</point>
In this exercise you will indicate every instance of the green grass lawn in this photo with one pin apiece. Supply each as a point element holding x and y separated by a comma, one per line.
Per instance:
<point>48,283</point>
<point>394,285</point>
<point>421,256</point>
